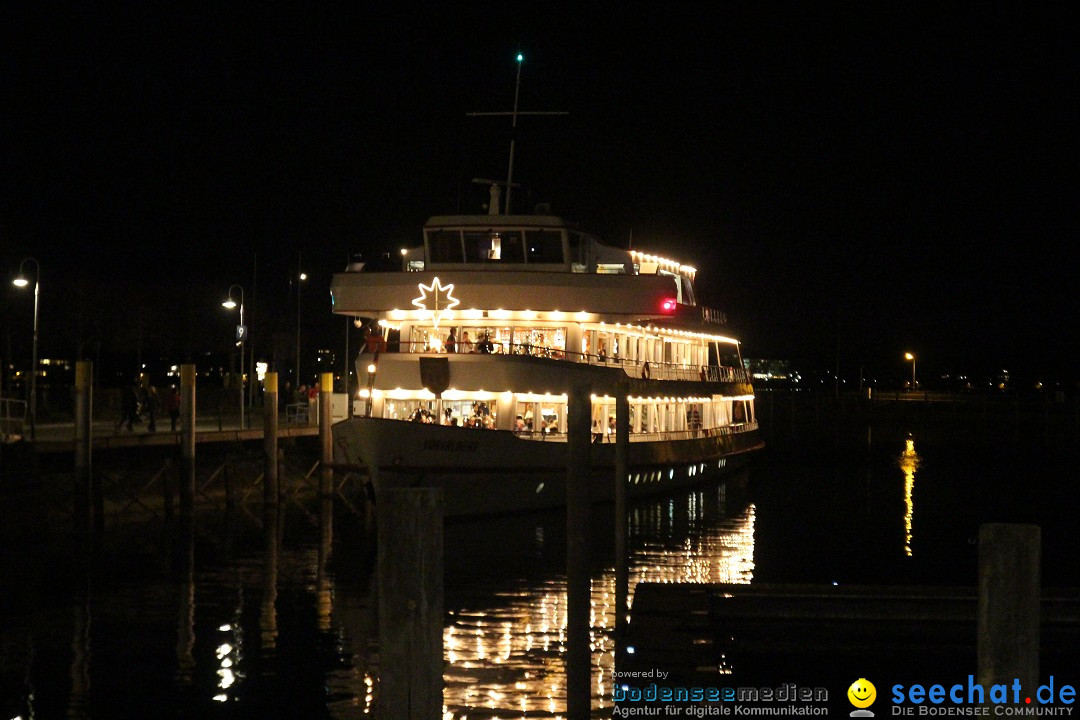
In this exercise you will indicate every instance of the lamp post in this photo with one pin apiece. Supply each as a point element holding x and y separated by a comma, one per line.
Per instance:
<point>909,356</point>
<point>241,335</point>
<point>21,281</point>
<point>300,277</point>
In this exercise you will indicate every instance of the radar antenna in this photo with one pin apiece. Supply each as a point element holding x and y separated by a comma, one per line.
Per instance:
<point>514,115</point>
<point>495,192</point>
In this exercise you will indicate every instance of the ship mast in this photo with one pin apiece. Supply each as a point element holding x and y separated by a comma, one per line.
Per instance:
<point>513,134</point>
<point>513,125</point>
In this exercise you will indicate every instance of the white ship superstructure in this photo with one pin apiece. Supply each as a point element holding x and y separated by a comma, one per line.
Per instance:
<point>481,332</point>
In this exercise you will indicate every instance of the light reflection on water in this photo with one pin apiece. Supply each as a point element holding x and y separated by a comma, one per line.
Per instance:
<point>275,618</point>
<point>506,659</point>
<point>909,463</point>
<point>283,624</point>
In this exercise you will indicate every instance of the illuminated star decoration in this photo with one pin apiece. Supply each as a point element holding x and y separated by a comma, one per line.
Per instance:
<point>440,299</point>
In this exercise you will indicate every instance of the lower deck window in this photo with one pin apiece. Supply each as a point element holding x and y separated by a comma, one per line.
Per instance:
<point>462,413</point>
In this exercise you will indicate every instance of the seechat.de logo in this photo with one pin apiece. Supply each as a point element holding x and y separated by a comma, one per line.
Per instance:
<point>862,695</point>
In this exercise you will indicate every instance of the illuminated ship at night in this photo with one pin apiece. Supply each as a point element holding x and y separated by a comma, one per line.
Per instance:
<point>479,337</point>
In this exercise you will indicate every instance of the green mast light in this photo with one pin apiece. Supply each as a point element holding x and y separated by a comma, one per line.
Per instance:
<point>520,58</point>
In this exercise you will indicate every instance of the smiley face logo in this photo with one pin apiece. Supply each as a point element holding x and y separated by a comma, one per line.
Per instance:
<point>862,693</point>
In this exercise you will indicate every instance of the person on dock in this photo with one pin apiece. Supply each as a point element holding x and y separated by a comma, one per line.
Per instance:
<point>150,406</point>
<point>172,406</point>
<point>129,407</point>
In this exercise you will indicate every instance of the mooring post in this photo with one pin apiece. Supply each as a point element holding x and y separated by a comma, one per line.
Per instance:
<point>185,617</point>
<point>270,444</point>
<point>79,705</point>
<point>324,602</point>
<point>1009,597</point>
<point>84,373</point>
<point>268,619</point>
<point>622,469</point>
<point>229,480</point>
<point>326,440</point>
<point>410,580</point>
<point>187,439</point>
<point>578,472</point>
<point>167,493</point>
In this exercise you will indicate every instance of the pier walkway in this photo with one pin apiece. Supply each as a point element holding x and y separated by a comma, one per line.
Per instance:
<point>58,437</point>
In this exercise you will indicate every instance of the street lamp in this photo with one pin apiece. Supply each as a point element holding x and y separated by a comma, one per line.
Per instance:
<point>21,281</point>
<point>301,276</point>
<point>241,336</point>
<point>909,356</point>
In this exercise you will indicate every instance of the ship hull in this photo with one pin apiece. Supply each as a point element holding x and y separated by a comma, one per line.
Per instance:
<point>485,472</point>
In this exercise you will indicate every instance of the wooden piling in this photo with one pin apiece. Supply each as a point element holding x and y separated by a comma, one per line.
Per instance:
<point>270,444</point>
<point>410,580</point>
<point>579,436</point>
<point>622,463</point>
<point>268,619</point>
<point>185,616</point>
<point>1008,608</point>
<point>324,602</point>
<point>326,500</point>
<point>326,441</point>
<point>168,492</point>
<point>187,439</point>
<point>84,373</point>
<point>229,479</point>
<point>78,705</point>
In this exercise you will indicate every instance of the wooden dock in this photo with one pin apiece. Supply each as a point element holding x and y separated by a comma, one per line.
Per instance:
<point>112,441</point>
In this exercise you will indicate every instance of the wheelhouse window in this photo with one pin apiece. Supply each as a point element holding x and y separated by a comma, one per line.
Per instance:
<point>511,247</point>
<point>499,247</point>
<point>544,246</point>
<point>445,246</point>
<point>480,247</point>
<point>579,260</point>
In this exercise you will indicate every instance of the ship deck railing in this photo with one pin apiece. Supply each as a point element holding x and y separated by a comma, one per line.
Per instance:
<point>669,435</point>
<point>644,369</point>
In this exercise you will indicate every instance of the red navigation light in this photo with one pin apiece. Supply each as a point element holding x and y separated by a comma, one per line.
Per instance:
<point>667,305</point>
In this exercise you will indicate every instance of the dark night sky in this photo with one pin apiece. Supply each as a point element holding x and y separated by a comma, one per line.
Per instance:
<point>899,177</point>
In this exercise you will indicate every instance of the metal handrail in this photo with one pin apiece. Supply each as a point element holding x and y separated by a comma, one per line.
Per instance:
<point>12,419</point>
<point>645,369</point>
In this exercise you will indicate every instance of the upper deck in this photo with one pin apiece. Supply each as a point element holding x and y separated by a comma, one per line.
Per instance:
<point>513,267</point>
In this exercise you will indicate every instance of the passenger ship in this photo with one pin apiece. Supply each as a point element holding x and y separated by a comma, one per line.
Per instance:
<point>479,336</point>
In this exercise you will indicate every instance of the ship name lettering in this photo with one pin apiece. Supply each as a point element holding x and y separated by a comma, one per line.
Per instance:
<point>452,445</point>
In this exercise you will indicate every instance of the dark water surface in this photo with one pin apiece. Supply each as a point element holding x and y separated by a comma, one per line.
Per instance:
<point>252,616</point>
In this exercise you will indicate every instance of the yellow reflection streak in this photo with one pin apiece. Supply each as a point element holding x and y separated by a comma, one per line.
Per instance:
<point>909,463</point>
